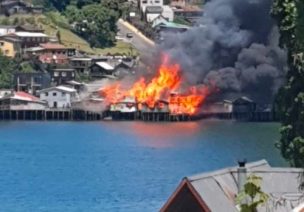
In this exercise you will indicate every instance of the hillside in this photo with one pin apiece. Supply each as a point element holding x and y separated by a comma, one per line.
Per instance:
<point>53,23</point>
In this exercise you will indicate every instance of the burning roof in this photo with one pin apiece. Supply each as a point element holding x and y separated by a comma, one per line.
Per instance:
<point>161,87</point>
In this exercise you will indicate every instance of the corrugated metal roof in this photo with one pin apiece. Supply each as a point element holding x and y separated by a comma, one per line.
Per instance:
<point>219,188</point>
<point>105,66</point>
<point>30,34</point>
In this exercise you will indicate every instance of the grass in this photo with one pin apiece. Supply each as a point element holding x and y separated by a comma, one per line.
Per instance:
<point>54,22</point>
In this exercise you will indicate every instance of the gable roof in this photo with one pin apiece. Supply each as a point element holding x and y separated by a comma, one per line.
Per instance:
<point>29,34</point>
<point>23,96</point>
<point>105,66</point>
<point>60,88</point>
<point>218,189</point>
<point>53,46</point>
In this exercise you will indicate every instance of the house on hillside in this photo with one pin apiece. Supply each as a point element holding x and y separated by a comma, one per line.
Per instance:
<point>31,82</point>
<point>28,28</point>
<point>5,29</point>
<point>102,70</point>
<point>29,39</point>
<point>217,190</point>
<point>61,75</point>
<point>21,101</point>
<point>10,46</point>
<point>51,53</point>
<point>59,97</point>
<point>81,64</point>
<point>152,12</point>
<point>10,7</point>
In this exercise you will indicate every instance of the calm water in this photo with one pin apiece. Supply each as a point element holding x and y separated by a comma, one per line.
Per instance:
<point>117,166</point>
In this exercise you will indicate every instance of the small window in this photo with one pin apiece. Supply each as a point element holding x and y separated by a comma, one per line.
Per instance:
<point>63,93</point>
<point>46,94</point>
<point>64,74</point>
<point>54,94</point>
<point>1,43</point>
<point>6,52</point>
<point>56,74</point>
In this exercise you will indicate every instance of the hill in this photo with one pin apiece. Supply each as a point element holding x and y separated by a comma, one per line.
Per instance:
<point>53,23</point>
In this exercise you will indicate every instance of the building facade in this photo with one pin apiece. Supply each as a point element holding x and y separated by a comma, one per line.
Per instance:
<point>10,47</point>
<point>59,97</point>
<point>31,82</point>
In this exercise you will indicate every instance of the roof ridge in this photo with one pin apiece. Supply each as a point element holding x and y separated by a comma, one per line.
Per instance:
<point>227,170</point>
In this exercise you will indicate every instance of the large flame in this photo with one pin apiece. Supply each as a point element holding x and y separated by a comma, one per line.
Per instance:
<point>163,87</point>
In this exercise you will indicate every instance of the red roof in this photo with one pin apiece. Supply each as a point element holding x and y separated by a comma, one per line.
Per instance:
<point>26,96</point>
<point>52,46</point>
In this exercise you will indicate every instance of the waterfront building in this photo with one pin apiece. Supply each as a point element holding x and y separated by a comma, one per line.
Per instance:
<point>217,190</point>
<point>21,101</point>
<point>59,97</point>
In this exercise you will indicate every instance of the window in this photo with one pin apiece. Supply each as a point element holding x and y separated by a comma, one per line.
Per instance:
<point>64,74</point>
<point>56,74</point>
<point>1,43</point>
<point>157,1</point>
<point>63,94</point>
<point>54,94</point>
<point>46,94</point>
<point>6,52</point>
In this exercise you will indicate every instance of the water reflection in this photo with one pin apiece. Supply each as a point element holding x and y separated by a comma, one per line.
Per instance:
<point>164,135</point>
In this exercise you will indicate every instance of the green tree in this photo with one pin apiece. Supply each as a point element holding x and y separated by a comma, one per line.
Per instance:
<point>290,17</point>
<point>7,68</point>
<point>97,24</point>
<point>252,196</point>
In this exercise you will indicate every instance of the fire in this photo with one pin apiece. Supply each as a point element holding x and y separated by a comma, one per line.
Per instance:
<point>161,87</point>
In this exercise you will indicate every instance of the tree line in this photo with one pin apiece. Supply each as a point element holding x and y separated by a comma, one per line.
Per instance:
<point>290,18</point>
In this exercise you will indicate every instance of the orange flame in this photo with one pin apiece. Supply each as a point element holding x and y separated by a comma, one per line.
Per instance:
<point>161,87</point>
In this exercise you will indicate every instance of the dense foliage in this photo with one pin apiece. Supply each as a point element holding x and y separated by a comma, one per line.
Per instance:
<point>95,22</point>
<point>8,66</point>
<point>290,16</point>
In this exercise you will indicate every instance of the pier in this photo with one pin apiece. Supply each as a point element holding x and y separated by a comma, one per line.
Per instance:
<point>49,115</point>
<point>82,115</point>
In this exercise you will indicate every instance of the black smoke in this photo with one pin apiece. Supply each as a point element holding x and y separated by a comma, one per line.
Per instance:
<point>235,46</point>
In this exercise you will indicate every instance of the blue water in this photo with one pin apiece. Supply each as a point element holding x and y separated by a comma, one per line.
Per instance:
<point>117,166</point>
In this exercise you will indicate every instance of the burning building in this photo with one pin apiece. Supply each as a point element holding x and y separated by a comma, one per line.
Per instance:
<point>163,96</point>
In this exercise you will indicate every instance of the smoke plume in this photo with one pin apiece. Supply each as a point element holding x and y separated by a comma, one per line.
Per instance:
<point>235,46</point>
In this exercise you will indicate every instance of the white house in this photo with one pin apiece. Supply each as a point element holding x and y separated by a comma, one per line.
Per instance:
<point>59,97</point>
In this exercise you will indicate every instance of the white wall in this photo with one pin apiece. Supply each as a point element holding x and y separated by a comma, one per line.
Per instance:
<point>168,13</point>
<point>4,31</point>
<point>62,98</point>
<point>28,106</point>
